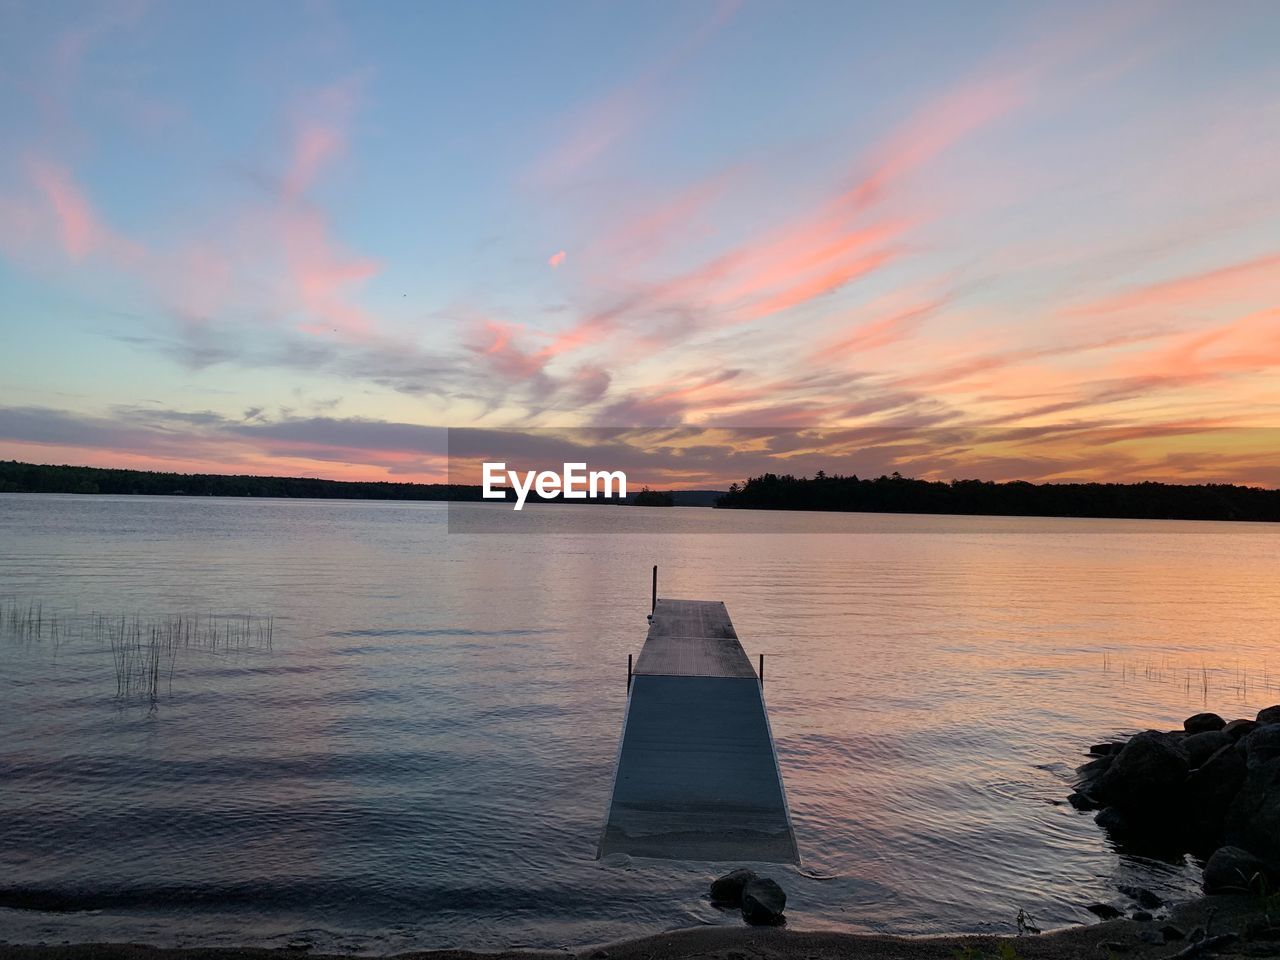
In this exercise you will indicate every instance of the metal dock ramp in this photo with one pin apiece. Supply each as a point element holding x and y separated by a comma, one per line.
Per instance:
<point>697,776</point>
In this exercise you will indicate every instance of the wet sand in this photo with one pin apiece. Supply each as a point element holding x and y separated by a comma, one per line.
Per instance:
<point>1258,936</point>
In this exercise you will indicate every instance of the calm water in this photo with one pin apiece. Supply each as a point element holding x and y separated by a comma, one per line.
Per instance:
<point>422,755</point>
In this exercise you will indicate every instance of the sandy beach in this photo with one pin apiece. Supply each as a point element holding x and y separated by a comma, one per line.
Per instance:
<point>1252,933</point>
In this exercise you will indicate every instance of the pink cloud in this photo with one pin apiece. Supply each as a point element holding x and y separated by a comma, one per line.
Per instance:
<point>1245,282</point>
<point>324,276</point>
<point>314,146</point>
<point>556,259</point>
<point>878,333</point>
<point>78,226</point>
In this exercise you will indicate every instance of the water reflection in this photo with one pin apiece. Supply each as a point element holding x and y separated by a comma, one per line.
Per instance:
<point>423,754</point>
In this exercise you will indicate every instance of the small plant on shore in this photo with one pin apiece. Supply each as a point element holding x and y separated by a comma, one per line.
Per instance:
<point>1268,898</point>
<point>1026,923</point>
<point>1005,951</point>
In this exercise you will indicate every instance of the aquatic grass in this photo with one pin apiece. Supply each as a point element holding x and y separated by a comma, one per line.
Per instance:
<point>216,632</point>
<point>144,650</point>
<point>1198,681</point>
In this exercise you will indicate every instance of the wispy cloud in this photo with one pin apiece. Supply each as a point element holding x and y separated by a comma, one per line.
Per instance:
<point>597,127</point>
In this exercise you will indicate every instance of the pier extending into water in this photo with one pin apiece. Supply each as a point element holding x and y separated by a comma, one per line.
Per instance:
<point>697,775</point>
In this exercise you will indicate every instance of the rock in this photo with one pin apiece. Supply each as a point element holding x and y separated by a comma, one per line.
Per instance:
<point>1269,714</point>
<point>1154,937</point>
<point>1094,768</point>
<point>1211,788</point>
<point>1171,933</point>
<point>1233,870</point>
<point>1141,916</point>
<point>1108,947</point>
<point>1261,928</point>
<point>1262,746</point>
<point>763,902</point>
<point>1082,801</point>
<point>1143,896</point>
<point>1253,819</point>
<point>1199,747</point>
<point>1113,821</point>
<point>1104,910</point>
<point>1203,722</point>
<point>1146,776</point>
<point>1240,728</point>
<point>1105,749</point>
<point>727,890</point>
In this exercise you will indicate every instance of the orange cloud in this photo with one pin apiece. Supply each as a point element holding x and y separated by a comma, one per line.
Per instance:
<point>1250,344</point>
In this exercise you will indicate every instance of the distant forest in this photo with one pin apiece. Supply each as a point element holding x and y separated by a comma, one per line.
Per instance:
<point>892,494</point>
<point>18,477</point>
<point>898,494</point>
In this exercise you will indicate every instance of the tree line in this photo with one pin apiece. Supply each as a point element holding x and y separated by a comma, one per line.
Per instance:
<point>770,491</point>
<point>898,494</point>
<point>16,477</point>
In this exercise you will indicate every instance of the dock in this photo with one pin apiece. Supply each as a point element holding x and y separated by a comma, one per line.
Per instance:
<point>697,776</point>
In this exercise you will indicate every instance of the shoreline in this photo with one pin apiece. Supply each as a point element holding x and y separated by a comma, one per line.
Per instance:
<point>1256,933</point>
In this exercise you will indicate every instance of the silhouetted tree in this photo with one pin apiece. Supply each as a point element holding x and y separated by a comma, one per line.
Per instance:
<point>899,494</point>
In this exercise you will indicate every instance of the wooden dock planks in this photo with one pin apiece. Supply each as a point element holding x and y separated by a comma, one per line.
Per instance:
<point>697,775</point>
<point>693,638</point>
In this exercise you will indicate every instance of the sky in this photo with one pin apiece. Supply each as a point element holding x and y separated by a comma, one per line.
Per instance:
<point>999,240</point>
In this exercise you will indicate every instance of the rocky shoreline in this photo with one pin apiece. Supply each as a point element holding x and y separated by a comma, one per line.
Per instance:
<point>1225,927</point>
<point>1211,789</point>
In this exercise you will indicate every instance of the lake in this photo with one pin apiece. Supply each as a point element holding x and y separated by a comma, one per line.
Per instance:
<point>372,734</point>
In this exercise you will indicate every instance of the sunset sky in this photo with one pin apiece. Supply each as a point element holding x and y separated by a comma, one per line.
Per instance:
<point>1040,240</point>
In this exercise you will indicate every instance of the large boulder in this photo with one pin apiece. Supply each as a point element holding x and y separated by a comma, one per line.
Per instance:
<point>1262,746</point>
<point>1104,911</point>
<point>1113,820</point>
<point>1203,722</point>
<point>1081,800</point>
<point>1199,747</point>
<point>1234,870</point>
<point>727,890</point>
<point>1269,714</point>
<point>1240,728</point>
<point>763,902</point>
<point>1253,819</point>
<point>1147,776</point>
<point>1088,772</point>
<point>1212,787</point>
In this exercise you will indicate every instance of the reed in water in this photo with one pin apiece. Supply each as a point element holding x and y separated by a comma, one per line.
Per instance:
<point>144,650</point>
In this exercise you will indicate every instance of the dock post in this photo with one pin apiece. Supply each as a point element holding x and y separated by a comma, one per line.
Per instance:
<point>653,605</point>
<point>628,671</point>
<point>762,668</point>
